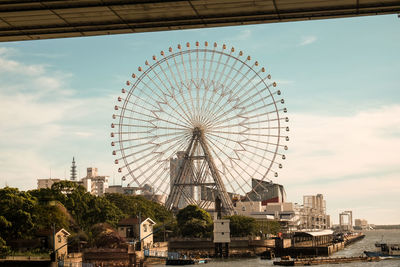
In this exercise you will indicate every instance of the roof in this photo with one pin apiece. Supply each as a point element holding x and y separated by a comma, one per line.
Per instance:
<point>314,233</point>
<point>32,20</point>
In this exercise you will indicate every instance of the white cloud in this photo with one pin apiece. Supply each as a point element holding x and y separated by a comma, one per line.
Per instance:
<point>352,160</point>
<point>42,123</point>
<point>307,40</point>
<point>15,67</point>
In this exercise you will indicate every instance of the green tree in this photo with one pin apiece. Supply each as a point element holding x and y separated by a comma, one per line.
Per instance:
<point>194,222</point>
<point>130,206</point>
<point>241,225</point>
<point>16,213</point>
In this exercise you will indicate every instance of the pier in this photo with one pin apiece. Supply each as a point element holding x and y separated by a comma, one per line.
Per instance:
<point>313,244</point>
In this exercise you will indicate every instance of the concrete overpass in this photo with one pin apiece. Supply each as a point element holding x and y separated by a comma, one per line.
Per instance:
<point>31,20</point>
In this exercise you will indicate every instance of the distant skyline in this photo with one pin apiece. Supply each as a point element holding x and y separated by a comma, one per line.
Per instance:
<point>340,79</point>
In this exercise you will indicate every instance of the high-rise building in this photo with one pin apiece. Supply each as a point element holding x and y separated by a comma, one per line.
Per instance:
<point>94,183</point>
<point>313,213</point>
<point>188,190</point>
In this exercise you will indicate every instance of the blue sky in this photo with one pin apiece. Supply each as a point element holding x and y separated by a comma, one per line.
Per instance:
<point>340,79</point>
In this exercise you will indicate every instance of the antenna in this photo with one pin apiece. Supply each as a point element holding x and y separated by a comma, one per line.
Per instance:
<point>73,170</point>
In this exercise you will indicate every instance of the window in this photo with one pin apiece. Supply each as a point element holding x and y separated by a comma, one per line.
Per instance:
<point>59,238</point>
<point>144,227</point>
<point>222,233</point>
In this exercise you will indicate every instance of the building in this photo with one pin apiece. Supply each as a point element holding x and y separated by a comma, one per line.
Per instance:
<point>128,190</point>
<point>46,183</point>
<point>132,231</point>
<point>313,213</point>
<point>46,237</point>
<point>189,190</point>
<point>94,184</point>
<point>266,192</point>
<point>287,214</point>
<point>360,224</point>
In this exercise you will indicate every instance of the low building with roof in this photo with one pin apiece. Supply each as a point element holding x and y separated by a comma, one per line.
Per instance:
<point>134,230</point>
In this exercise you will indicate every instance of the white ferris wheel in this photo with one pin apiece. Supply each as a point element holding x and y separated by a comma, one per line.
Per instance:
<point>199,122</point>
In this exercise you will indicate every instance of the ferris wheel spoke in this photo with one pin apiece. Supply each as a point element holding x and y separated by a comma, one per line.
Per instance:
<point>225,170</point>
<point>187,82</point>
<point>232,160</point>
<point>173,96</point>
<point>150,137</point>
<point>235,98</point>
<point>178,84</point>
<point>166,103</point>
<point>231,91</point>
<point>154,159</point>
<point>245,112</point>
<point>228,58</point>
<point>228,169</point>
<point>218,65</point>
<point>243,154</point>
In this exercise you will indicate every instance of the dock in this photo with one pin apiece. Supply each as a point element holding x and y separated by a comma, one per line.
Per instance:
<point>287,261</point>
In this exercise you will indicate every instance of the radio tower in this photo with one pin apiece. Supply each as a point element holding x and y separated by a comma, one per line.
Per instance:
<point>73,170</point>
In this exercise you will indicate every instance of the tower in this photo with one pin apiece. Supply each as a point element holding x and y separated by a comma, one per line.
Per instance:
<point>73,170</point>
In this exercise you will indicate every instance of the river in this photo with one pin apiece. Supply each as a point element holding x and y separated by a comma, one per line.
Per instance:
<point>355,249</point>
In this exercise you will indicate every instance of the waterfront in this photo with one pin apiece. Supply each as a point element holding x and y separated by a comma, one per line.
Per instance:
<point>355,249</point>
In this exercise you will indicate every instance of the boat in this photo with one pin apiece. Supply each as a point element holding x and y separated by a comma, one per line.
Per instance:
<point>385,250</point>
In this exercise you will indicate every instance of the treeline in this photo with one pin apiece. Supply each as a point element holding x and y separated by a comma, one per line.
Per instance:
<point>69,206</point>
<point>88,217</point>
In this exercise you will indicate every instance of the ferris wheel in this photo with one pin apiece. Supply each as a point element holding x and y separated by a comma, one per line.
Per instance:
<point>200,122</point>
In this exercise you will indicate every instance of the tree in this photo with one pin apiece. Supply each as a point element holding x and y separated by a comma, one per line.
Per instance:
<point>16,213</point>
<point>194,222</point>
<point>104,236</point>
<point>241,225</point>
<point>130,206</point>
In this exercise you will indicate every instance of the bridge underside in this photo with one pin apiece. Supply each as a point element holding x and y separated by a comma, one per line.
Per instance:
<point>31,20</point>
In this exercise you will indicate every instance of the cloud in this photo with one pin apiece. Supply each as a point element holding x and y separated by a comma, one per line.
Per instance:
<point>43,122</point>
<point>353,157</point>
<point>307,40</point>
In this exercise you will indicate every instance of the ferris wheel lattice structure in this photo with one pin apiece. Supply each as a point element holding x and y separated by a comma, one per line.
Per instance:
<point>199,123</point>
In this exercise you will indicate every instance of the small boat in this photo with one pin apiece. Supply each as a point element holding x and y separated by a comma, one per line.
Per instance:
<point>385,250</point>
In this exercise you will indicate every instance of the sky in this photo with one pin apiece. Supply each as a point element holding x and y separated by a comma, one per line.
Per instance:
<point>340,79</point>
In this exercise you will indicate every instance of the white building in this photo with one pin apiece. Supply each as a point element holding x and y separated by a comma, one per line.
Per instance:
<point>286,214</point>
<point>94,184</point>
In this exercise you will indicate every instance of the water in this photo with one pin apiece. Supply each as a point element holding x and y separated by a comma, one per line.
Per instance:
<point>355,249</point>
